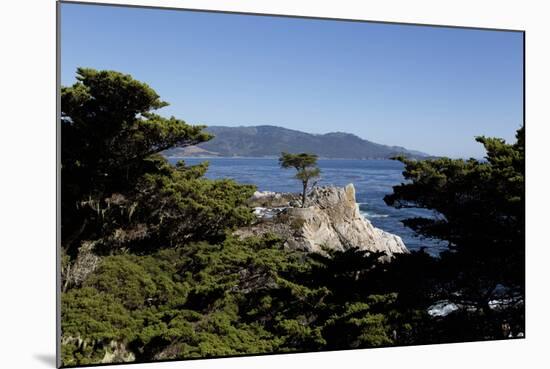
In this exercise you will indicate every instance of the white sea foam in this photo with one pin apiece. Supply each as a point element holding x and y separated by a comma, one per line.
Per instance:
<point>368,215</point>
<point>442,308</point>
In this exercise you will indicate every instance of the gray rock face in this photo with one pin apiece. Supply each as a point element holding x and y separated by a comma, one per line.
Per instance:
<point>332,220</point>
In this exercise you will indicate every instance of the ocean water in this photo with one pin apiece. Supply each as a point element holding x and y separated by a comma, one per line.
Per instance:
<point>373,179</point>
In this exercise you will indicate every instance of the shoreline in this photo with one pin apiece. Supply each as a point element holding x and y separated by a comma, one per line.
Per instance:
<point>266,157</point>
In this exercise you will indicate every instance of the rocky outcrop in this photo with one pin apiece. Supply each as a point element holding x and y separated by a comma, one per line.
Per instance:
<point>268,199</point>
<point>331,220</point>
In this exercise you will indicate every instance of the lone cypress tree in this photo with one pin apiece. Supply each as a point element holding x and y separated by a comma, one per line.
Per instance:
<point>306,167</point>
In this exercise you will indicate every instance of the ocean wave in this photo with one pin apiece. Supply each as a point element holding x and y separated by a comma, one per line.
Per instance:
<point>368,215</point>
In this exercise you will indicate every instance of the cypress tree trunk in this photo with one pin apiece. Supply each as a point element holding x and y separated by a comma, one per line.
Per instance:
<point>304,184</point>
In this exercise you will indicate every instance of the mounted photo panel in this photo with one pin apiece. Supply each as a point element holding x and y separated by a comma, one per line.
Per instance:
<point>241,184</point>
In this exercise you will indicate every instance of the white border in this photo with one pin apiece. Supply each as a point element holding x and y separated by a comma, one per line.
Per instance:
<point>27,144</point>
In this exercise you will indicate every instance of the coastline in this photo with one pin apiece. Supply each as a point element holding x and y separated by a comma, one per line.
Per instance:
<point>262,157</point>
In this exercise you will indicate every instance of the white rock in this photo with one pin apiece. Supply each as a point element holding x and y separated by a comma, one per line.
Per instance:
<point>332,220</point>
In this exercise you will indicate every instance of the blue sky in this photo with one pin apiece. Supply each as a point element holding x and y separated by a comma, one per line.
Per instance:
<point>426,88</point>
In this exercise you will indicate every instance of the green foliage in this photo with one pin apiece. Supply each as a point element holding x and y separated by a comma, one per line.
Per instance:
<point>172,207</point>
<point>90,313</point>
<point>237,297</point>
<point>117,191</point>
<point>194,208</point>
<point>138,281</point>
<point>108,129</point>
<point>357,326</point>
<point>90,320</point>
<point>297,161</point>
<point>481,207</point>
<point>477,198</point>
<point>306,167</point>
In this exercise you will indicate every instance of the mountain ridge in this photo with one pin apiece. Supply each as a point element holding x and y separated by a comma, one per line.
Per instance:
<point>270,141</point>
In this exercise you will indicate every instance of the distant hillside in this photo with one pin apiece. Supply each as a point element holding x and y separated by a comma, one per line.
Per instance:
<point>262,141</point>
